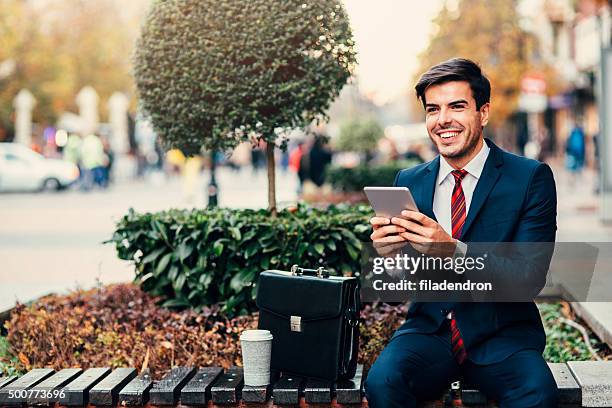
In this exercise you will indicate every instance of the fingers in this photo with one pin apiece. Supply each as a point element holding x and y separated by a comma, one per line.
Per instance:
<point>409,236</point>
<point>418,217</point>
<point>388,239</point>
<point>379,221</point>
<point>411,226</point>
<point>381,232</point>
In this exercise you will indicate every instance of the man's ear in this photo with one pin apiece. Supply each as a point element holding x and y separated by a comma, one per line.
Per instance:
<point>484,114</point>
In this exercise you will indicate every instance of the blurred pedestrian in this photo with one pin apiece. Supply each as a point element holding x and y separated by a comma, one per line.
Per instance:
<point>257,157</point>
<point>72,150</point>
<point>109,159</point>
<point>93,161</point>
<point>191,178</point>
<point>175,160</point>
<point>597,163</point>
<point>319,158</point>
<point>295,157</point>
<point>575,152</point>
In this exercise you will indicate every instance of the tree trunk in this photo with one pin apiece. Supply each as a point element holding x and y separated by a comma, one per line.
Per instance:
<point>271,178</point>
<point>212,189</point>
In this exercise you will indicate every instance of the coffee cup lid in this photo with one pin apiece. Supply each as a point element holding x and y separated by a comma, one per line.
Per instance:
<point>256,335</point>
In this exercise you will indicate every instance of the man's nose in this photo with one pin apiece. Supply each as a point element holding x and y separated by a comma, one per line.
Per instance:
<point>444,118</point>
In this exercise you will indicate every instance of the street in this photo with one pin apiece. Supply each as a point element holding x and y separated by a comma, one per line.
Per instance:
<point>53,242</point>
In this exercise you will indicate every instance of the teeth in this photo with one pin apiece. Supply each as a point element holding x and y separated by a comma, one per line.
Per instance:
<point>446,135</point>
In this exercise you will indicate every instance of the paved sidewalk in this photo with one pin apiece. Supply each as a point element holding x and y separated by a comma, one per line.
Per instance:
<point>578,207</point>
<point>579,221</point>
<point>53,242</point>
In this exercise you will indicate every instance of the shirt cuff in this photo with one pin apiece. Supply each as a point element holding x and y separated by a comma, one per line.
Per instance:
<point>460,250</point>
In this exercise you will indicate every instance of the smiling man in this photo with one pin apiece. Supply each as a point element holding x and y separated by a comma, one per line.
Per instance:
<point>471,192</point>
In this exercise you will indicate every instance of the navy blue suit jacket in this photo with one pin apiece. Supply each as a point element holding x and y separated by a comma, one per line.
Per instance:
<point>515,200</point>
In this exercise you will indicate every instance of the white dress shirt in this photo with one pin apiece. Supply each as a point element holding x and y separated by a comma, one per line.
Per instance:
<point>444,193</point>
<point>446,183</point>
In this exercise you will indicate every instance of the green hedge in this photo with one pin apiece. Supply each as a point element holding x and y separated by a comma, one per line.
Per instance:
<point>356,178</point>
<point>195,258</point>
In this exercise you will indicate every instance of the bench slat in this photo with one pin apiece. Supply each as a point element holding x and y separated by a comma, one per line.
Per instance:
<point>350,391</point>
<point>595,380</point>
<point>136,393</point>
<point>7,380</point>
<point>288,390</point>
<point>106,392</point>
<point>197,391</point>
<point>76,393</point>
<point>259,394</point>
<point>25,382</point>
<point>569,390</point>
<point>167,390</point>
<point>227,389</point>
<point>256,394</point>
<point>43,393</point>
<point>318,391</point>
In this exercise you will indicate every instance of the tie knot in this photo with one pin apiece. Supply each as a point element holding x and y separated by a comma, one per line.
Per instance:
<point>459,175</point>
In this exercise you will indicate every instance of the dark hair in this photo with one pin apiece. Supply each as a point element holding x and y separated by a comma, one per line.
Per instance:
<point>456,69</point>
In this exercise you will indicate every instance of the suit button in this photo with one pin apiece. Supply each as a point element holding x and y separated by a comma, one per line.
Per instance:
<point>443,312</point>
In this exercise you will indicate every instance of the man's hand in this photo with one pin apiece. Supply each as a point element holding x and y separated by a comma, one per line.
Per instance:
<point>424,234</point>
<point>386,237</point>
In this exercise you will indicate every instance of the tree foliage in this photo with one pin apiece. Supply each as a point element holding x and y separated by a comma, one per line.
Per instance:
<point>60,46</point>
<point>359,135</point>
<point>488,32</point>
<point>209,73</point>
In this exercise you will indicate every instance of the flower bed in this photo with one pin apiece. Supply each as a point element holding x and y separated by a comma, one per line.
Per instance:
<point>120,325</point>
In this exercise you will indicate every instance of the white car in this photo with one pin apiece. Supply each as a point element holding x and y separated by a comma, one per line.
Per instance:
<point>22,169</point>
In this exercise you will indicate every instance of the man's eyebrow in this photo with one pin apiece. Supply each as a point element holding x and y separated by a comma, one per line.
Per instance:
<point>431,105</point>
<point>457,102</point>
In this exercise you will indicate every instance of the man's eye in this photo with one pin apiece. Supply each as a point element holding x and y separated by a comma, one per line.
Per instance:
<point>458,107</point>
<point>430,110</point>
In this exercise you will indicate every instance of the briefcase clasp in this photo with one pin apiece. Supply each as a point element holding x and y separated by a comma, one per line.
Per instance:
<point>319,272</point>
<point>296,323</point>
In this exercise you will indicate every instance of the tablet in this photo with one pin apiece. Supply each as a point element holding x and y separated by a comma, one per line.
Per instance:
<point>390,201</point>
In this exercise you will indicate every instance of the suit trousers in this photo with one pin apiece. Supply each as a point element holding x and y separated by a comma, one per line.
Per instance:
<point>419,367</point>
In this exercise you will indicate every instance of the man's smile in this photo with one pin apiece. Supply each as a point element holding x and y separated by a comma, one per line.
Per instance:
<point>448,133</point>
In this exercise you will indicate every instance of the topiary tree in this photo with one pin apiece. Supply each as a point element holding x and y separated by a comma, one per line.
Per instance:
<point>360,136</point>
<point>212,73</point>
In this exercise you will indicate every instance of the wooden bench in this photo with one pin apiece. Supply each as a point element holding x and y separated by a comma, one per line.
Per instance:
<point>188,386</point>
<point>586,383</point>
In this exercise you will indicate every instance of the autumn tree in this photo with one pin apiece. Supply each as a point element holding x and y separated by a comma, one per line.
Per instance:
<point>59,46</point>
<point>488,32</point>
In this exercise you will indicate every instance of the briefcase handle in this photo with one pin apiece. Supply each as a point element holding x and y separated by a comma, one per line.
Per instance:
<point>320,271</point>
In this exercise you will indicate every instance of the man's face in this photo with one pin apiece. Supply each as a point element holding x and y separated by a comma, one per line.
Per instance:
<point>453,122</point>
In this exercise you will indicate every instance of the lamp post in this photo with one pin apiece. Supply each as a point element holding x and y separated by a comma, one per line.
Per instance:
<point>212,189</point>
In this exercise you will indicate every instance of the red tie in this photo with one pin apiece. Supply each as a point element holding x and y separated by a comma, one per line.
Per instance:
<point>458,204</point>
<point>456,341</point>
<point>457,221</point>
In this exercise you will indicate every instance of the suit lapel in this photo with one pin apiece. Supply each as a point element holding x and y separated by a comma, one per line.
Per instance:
<point>428,187</point>
<point>489,176</point>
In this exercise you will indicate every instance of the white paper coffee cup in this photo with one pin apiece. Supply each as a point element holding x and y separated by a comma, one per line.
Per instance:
<point>256,353</point>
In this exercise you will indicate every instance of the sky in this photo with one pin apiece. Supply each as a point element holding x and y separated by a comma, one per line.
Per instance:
<point>389,35</point>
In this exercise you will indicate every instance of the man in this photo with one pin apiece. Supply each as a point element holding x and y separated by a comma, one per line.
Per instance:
<point>471,192</point>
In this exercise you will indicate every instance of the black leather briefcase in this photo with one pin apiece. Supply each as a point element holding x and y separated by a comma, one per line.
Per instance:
<point>314,319</point>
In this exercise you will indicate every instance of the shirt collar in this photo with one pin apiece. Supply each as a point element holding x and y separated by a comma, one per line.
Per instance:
<point>474,167</point>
